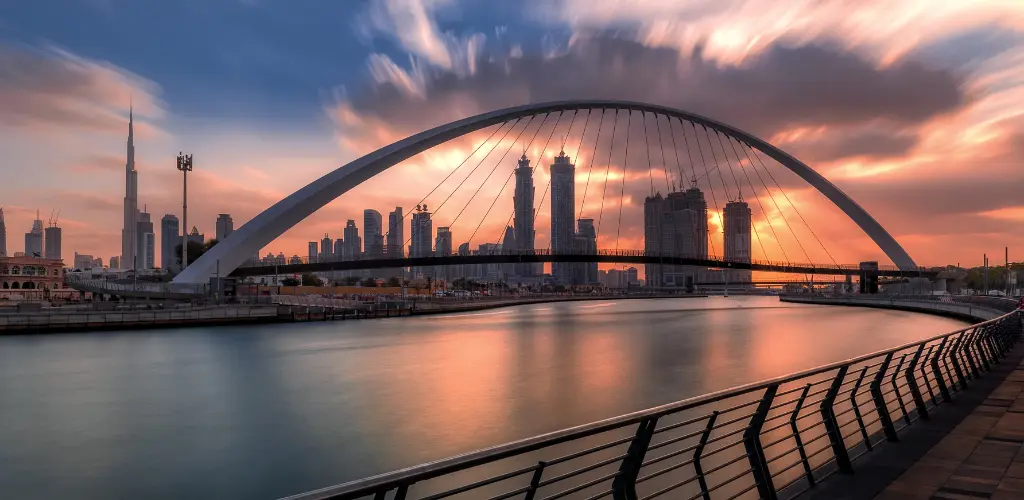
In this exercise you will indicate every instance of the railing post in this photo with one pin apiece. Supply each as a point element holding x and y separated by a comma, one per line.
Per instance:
<point>965,350</point>
<point>981,350</point>
<point>697,467</point>
<point>624,485</point>
<point>535,480</point>
<point>955,358</point>
<point>856,409</point>
<point>924,374</point>
<point>990,340</point>
<point>939,378</point>
<point>896,389</point>
<point>796,435</point>
<point>828,416</point>
<point>883,410</point>
<point>915,391</point>
<point>752,442</point>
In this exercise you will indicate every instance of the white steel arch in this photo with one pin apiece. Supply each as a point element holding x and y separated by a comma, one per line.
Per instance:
<point>274,221</point>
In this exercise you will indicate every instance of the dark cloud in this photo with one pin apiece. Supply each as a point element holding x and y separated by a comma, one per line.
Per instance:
<point>868,143</point>
<point>785,86</point>
<point>98,163</point>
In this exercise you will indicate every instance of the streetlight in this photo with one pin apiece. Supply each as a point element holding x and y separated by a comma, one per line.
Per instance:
<point>185,166</point>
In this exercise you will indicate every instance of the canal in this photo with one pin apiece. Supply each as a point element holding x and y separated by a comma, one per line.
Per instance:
<point>268,411</point>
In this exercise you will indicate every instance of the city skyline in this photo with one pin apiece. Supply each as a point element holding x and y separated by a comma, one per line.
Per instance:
<point>897,150</point>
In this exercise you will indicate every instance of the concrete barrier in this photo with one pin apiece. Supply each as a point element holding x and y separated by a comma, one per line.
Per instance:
<point>972,312</point>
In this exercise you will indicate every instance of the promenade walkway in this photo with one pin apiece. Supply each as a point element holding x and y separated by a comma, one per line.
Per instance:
<point>982,457</point>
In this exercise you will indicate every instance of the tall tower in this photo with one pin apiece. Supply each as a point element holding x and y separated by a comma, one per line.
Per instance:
<point>737,237</point>
<point>421,246</point>
<point>396,233</point>
<point>34,238</point>
<point>145,244</point>
<point>131,201</point>
<point>524,217</point>
<point>563,214</point>
<point>3,234</point>
<point>53,241</point>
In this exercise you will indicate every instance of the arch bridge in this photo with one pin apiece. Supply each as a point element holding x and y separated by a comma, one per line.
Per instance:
<point>226,257</point>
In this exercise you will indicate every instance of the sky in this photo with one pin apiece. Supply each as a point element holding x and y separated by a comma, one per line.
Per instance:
<point>913,108</point>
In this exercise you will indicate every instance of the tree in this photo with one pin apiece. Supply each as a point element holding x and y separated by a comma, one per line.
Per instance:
<point>370,282</point>
<point>290,282</point>
<point>394,282</point>
<point>310,279</point>
<point>350,280</point>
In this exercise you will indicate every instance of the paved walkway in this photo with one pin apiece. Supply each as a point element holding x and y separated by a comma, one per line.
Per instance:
<point>982,457</point>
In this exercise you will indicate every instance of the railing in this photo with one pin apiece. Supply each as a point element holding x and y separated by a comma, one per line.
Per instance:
<point>295,260</point>
<point>761,440</point>
<point>145,287</point>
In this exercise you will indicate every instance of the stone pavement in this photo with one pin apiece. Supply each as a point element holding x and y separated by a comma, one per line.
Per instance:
<point>982,457</point>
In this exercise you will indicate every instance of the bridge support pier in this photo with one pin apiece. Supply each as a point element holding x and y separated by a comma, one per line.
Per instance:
<point>869,277</point>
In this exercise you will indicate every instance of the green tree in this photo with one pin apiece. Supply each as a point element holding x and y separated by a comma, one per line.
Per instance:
<point>394,282</point>
<point>290,282</point>
<point>370,282</point>
<point>310,279</point>
<point>350,280</point>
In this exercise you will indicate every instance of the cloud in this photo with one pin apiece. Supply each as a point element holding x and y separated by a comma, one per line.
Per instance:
<point>97,163</point>
<point>53,88</point>
<point>411,23</point>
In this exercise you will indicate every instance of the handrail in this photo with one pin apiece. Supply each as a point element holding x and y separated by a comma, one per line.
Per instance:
<point>978,345</point>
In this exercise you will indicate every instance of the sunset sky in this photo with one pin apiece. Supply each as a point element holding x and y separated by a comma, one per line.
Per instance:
<point>914,108</point>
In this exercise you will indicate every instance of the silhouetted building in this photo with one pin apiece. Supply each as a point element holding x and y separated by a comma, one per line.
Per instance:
<point>3,234</point>
<point>421,244</point>
<point>373,235</point>
<point>585,273</point>
<point>34,239</point>
<point>326,250</point>
<point>737,227</point>
<point>314,252</point>
<point>129,240</point>
<point>170,238</point>
<point>675,225</point>
<point>197,237</point>
<point>443,248</point>
<point>145,250</point>
<point>525,233</point>
<point>225,226</point>
<point>52,242</point>
<point>563,214</point>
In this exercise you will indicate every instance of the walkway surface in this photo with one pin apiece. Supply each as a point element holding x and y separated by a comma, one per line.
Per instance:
<point>982,457</point>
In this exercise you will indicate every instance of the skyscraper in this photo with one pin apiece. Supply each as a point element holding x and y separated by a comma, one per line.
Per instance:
<point>563,214</point>
<point>509,243</point>
<point>131,201</point>
<point>53,241</point>
<point>421,237</point>
<point>34,238</point>
<point>373,234</point>
<point>353,243</point>
<point>396,234</point>
<point>585,273</point>
<point>3,234</point>
<point>170,238</point>
<point>115,262</point>
<point>675,225</point>
<point>145,249</point>
<point>312,251</point>
<point>524,216</point>
<point>326,249</point>
<point>737,237</point>
<point>339,249</point>
<point>443,248</point>
<point>225,226</point>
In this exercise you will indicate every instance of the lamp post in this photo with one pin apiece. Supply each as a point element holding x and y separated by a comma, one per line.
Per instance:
<point>185,166</point>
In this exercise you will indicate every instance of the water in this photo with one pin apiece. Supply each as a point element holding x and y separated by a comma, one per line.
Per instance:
<point>268,411</point>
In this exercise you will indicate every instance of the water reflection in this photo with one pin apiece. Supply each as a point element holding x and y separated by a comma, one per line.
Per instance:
<point>262,412</point>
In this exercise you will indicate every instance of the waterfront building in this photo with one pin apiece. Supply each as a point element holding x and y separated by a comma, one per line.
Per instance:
<point>443,248</point>
<point>52,242</point>
<point>312,252</point>
<point>145,249</point>
<point>326,249</point>
<point>585,273</point>
<point>3,234</point>
<point>525,233</point>
<point>675,225</point>
<point>737,226</point>
<point>197,237</point>
<point>421,244</point>
<point>34,238</point>
<point>131,201</point>
<point>19,273</point>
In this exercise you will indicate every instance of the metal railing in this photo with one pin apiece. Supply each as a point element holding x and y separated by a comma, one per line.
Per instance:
<point>296,260</point>
<point>761,440</point>
<point>146,287</point>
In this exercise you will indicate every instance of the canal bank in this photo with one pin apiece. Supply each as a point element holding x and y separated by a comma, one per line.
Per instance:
<point>965,308</point>
<point>159,315</point>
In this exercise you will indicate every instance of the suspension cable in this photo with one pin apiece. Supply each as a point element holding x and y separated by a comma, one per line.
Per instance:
<point>622,189</point>
<point>464,207</point>
<point>548,185</point>
<point>661,145</point>
<point>758,198</point>
<point>707,234</point>
<point>721,178</point>
<point>650,174</point>
<point>511,173</point>
<point>533,170</point>
<point>794,207</point>
<point>607,170</point>
<point>572,203</point>
<point>453,172</point>
<point>775,202</point>
<point>740,190</point>
<point>703,162</point>
<point>593,158</point>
